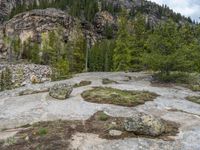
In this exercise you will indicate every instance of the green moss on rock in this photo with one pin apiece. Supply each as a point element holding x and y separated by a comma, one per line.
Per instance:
<point>105,95</point>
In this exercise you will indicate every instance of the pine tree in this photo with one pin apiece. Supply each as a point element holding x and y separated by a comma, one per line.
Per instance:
<point>35,50</point>
<point>16,46</point>
<point>122,51</point>
<point>166,50</point>
<point>5,79</point>
<point>139,35</point>
<point>2,86</point>
<point>8,79</point>
<point>79,49</point>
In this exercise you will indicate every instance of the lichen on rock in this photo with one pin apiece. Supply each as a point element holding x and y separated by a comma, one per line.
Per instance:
<point>61,91</point>
<point>143,124</point>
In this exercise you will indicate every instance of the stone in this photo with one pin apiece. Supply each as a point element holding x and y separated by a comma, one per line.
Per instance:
<point>144,124</point>
<point>60,91</point>
<point>115,133</point>
<point>27,138</point>
<point>34,79</point>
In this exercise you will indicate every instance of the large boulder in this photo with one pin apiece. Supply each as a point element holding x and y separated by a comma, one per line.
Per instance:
<point>61,91</point>
<point>144,124</point>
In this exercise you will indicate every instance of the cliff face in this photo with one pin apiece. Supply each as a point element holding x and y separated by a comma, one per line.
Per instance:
<point>6,7</point>
<point>38,21</point>
<point>33,23</point>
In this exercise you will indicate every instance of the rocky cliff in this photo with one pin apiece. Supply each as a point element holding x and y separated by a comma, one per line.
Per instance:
<point>33,23</point>
<point>6,6</point>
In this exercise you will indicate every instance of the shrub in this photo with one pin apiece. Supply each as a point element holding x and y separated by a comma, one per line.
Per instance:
<point>42,131</point>
<point>6,79</point>
<point>177,77</point>
<point>103,117</point>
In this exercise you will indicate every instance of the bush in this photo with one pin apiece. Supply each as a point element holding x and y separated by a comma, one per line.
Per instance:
<point>177,77</point>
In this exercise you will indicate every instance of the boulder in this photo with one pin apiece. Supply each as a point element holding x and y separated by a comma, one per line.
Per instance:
<point>144,124</point>
<point>61,91</point>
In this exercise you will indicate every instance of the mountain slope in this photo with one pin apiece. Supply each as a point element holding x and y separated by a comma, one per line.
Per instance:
<point>9,8</point>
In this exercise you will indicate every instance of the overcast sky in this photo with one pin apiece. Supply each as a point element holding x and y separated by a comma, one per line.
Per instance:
<point>189,8</point>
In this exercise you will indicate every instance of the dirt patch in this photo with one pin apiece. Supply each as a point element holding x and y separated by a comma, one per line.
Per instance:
<point>194,99</point>
<point>82,83</point>
<point>105,95</point>
<point>53,135</point>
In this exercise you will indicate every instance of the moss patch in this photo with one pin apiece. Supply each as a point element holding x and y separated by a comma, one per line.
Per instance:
<point>195,99</point>
<point>108,81</point>
<point>194,87</point>
<point>106,95</point>
<point>82,83</point>
<point>102,116</point>
<point>60,132</point>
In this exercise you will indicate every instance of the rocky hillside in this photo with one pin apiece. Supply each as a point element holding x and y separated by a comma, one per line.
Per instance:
<point>91,35</point>
<point>28,19</point>
<point>8,8</point>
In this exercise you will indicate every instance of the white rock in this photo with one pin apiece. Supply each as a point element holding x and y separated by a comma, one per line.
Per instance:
<point>115,132</point>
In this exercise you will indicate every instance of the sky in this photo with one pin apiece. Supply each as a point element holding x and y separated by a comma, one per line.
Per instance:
<point>189,8</point>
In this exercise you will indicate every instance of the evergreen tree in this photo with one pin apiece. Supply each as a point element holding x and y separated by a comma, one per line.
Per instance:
<point>35,50</point>
<point>2,86</point>
<point>122,51</point>
<point>5,79</point>
<point>139,35</point>
<point>101,56</point>
<point>8,79</point>
<point>16,46</point>
<point>78,63</point>
<point>167,50</point>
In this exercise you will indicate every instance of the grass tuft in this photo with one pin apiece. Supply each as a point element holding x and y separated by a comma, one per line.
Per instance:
<point>42,131</point>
